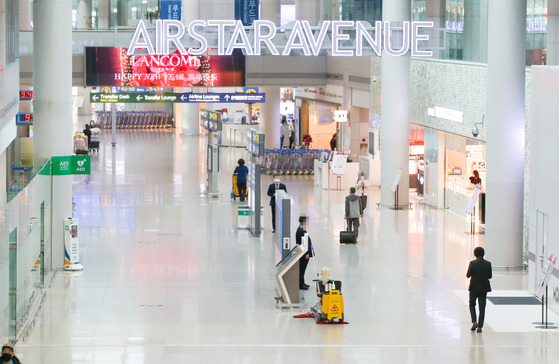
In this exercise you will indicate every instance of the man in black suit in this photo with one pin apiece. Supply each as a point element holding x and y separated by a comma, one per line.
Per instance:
<point>272,193</point>
<point>304,261</point>
<point>480,273</point>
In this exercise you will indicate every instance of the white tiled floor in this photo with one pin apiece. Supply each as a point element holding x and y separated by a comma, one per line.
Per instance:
<point>168,280</point>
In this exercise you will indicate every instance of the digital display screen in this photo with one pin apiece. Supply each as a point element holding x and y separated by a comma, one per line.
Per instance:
<point>25,95</point>
<point>24,118</point>
<point>109,66</point>
<point>287,257</point>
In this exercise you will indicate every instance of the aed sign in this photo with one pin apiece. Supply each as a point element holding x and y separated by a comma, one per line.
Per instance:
<point>340,116</point>
<point>336,36</point>
<point>71,164</point>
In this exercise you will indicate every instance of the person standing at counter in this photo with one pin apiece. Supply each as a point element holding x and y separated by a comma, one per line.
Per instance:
<point>475,179</point>
<point>272,193</point>
<point>304,261</point>
<point>333,141</point>
<point>286,130</point>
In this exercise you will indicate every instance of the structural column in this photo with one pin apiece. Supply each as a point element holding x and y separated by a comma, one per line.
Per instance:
<point>25,15</point>
<point>270,121</point>
<point>553,32</point>
<point>435,12</point>
<point>307,10</point>
<point>475,30</point>
<point>395,128</point>
<point>271,10</point>
<point>190,113</point>
<point>103,14</point>
<point>505,132</point>
<point>84,20</point>
<point>52,104</point>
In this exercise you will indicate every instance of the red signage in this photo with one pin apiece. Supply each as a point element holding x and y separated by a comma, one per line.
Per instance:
<point>107,66</point>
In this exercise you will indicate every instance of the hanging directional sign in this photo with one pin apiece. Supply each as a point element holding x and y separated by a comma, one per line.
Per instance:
<point>169,97</point>
<point>211,120</point>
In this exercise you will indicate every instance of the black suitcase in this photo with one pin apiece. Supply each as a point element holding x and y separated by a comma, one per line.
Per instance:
<point>347,237</point>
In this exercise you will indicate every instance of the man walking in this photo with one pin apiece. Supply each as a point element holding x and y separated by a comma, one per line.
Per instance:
<point>272,193</point>
<point>480,273</point>
<point>353,210</point>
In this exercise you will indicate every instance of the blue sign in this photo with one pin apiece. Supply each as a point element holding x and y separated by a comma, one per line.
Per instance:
<point>256,141</point>
<point>211,119</point>
<point>246,11</point>
<point>131,89</point>
<point>234,98</point>
<point>171,9</point>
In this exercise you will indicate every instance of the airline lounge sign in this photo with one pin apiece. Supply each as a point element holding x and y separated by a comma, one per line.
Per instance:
<point>301,38</point>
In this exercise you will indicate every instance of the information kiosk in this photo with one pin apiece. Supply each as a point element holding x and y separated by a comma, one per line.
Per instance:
<point>255,149</point>
<point>283,224</point>
<point>287,276</point>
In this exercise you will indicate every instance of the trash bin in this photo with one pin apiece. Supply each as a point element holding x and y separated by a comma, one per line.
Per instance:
<point>241,217</point>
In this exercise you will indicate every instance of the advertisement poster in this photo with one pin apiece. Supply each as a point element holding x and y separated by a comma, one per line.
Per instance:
<point>109,66</point>
<point>339,162</point>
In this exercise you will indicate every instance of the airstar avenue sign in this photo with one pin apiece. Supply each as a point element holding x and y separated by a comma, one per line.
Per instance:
<point>335,36</point>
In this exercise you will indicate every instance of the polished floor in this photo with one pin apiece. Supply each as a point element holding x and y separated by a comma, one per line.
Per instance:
<point>167,279</point>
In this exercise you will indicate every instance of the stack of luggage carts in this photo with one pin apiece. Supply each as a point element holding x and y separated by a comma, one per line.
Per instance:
<point>290,161</point>
<point>133,119</point>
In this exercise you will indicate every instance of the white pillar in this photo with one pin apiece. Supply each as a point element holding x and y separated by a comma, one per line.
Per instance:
<point>52,104</point>
<point>103,14</point>
<point>85,110</point>
<point>553,32</point>
<point>395,110</point>
<point>270,10</point>
<point>475,30</point>
<point>190,117</point>
<point>505,132</point>
<point>435,12</point>
<point>307,10</point>
<point>25,15</point>
<point>84,14</point>
<point>270,121</point>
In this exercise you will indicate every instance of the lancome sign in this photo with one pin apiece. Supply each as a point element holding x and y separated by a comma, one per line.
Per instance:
<point>340,38</point>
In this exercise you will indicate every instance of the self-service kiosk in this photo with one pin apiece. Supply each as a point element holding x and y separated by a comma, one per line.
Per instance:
<point>71,245</point>
<point>287,276</point>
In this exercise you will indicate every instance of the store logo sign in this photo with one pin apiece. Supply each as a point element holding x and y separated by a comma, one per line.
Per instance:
<point>447,114</point>
<point>332,35</point>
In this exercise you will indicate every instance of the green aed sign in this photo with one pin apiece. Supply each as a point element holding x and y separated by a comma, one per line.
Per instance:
<point>71,164</point>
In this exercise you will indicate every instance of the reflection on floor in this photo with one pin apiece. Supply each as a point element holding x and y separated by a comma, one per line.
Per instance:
<point>168,280</point>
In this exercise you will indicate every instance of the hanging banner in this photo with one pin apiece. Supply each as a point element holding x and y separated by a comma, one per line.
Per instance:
<point>246,11</point>
<point>108,66</point>
<point>171,9</point>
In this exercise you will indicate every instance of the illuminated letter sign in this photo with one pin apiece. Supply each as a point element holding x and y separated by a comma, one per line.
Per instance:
<point>232,34</point>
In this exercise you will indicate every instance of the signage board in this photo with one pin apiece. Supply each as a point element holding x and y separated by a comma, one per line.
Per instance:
<point>339,162</point>
<point>171,9</point>
<point>130,89</point>
<point>108,66</point>
<point>340,116</point>
<point>25,94</point>
<point>340,38</point>
<point>24,118</point>
<point>71,164</point>
<point>211,120</point>
<point>256,142</point>
<point>396,180</point>
<point>169,97</point>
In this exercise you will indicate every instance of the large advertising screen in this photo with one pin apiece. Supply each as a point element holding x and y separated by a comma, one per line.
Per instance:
<point>108,66</point>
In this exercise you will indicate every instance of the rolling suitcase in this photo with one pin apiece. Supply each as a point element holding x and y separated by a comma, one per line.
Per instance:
<point>347,237</point>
